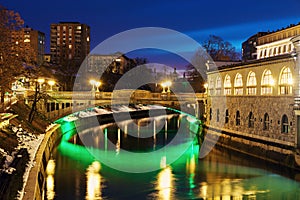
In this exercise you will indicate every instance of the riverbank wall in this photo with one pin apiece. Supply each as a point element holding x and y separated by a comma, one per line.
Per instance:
<point>282,153</point>
<point>34,188</point>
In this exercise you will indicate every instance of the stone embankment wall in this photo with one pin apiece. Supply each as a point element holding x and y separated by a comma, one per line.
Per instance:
<point>35,184</point>
<point>275,151</point>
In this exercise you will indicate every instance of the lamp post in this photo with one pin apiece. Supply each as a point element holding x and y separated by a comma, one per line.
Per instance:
<point>97,84</point>
<point>168,84</point>
<point>40,81</point>
<point>51,83</point>
<point>93,82</point>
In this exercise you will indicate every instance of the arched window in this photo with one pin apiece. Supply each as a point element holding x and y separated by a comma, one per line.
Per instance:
<point>284,48</point>
<point>285,81</point>
<point>226,116</point>
<point>267,82</point>
<point>218,85</point>
<point>284,124</point>
<point>227,85</point>
<point>274,51</point>
<point>218,115</point>
<point>238,118</point>
<point>266,122</point>
<point>251,120</point>
<point>251,84</point>
<point>238,84</point>
<point>210,114</point>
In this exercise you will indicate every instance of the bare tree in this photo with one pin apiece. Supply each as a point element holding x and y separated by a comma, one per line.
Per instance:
<point>220,50</point>
<point>14,52</point>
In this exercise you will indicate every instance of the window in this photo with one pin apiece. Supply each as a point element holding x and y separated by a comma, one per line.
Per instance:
<point>218,85</point>
<point>284,124</point>
<point>251,84</point>
<point>251,120</point>
<point>266,122</point>
<point>226,116</point>
<point>238,84</point>
<point>211,86</point>
<point>267,82</point>
<point>238,118</point>
<point>210,114</point>
<point>285,81</point>
<point>227,85</point>
<point>218,115</point>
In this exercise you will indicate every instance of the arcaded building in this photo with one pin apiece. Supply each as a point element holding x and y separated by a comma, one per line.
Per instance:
<point>254,106</point>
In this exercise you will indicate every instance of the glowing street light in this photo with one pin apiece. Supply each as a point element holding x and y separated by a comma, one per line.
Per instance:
<point>93,82</point>
<point>98,84</point>
<point>51,83</point>
<point>41,81</point>
<point>168,84</point>
<point>165,85</point>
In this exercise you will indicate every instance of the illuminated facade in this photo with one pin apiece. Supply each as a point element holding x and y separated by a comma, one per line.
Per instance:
<point>69,42</point>
<point>262,102</point>
<point>277,42</point>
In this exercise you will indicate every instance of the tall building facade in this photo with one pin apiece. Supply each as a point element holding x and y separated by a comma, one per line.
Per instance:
<point>69,43</point>
<point>32,40</point>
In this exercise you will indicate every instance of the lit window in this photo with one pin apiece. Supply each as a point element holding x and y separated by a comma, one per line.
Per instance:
<point>267,83</point>
<point>286,81</point>
<point>88,39</point>
<point>227,85</point>
<point>27,40</point>
<point>251,84</point>
<point>79,27</point>
<point>238,84</point>
<point>70,46</point>
<point>266,122</point>
<point>218,85</point>
<point>284,124</point>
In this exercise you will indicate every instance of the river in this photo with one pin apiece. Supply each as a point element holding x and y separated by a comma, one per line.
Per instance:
<point>76,174</point>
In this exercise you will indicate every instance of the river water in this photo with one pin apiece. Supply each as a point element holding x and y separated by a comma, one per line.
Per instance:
<point>74,173</point>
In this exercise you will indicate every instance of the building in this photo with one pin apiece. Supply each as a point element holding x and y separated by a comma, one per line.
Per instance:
<point>69,43</point>
<point>116,63</point>
<point>33,41</point>
<point>254,106</point>
<point>277,42</point>
<point>249,47</point>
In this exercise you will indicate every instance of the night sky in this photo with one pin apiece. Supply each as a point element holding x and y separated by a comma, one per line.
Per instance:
<point>234,21</point>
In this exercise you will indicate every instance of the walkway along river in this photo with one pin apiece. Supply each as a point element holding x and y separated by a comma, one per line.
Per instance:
<point>76,170</point>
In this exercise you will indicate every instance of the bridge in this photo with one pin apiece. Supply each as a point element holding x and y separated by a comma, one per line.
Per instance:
<point>62,103</point>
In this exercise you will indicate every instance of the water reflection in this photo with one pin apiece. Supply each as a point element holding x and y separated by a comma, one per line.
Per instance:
<point>50,171</point>
<point>165,185</point>
<point>93,181</point>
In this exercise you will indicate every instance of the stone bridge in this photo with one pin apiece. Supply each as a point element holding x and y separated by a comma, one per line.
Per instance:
<point>63,103</point>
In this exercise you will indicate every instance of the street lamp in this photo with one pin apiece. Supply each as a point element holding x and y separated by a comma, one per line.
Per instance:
<point>93,82</point>
<point>164,87</point>
<point>51,83</point>
<point>168,84</point>
<point>97,84</point>
<point>41,81</point>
